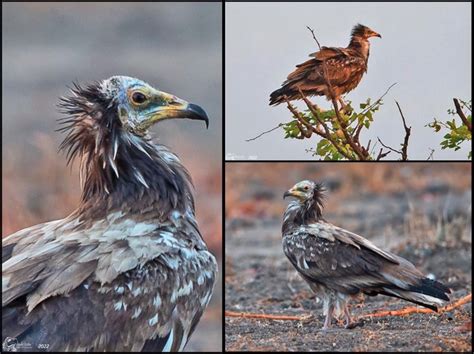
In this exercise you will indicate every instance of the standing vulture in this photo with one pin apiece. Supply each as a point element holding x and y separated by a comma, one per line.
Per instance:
<point>338,264</point>
<point>344,70</point>
<point>128,270</point>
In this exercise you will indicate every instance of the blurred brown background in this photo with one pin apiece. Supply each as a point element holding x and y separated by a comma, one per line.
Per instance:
<point>255,190</point>
<point>176,47</point>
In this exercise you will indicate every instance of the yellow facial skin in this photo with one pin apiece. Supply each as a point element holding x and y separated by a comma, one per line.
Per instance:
<point>299,191</point>
<point>147,106</point>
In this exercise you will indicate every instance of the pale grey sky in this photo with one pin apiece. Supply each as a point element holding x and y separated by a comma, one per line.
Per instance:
<point>425,48</point>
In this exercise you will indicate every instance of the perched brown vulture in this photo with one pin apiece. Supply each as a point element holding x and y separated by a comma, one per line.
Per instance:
<point>344,67</point>
<point>338,264</point>
<point>128,270</point>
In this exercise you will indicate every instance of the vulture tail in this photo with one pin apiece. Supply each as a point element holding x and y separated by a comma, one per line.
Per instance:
<point>278,96</point>
<point>428,293</point>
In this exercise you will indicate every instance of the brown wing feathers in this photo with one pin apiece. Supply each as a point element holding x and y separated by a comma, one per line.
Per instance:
<point>344,70</point>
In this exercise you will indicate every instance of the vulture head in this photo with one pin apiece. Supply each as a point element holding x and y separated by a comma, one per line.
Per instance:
<point>309,196</point>
<point>364,32</point>
<point>107,129</point>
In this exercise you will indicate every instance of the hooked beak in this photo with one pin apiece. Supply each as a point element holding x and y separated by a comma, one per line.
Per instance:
<point>375,34</point>
<point>171,107</point>
<point>291,193</point>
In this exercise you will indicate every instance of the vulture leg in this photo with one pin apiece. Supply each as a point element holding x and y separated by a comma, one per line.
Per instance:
<point>327,321</point>
<point>347,315</point>
<point>343,105</point>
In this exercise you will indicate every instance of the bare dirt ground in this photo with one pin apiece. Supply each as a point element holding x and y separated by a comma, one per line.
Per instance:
<point>428,222</point>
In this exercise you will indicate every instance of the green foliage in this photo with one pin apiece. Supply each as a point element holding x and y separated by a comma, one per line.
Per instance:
<point>457,132</point>
<point>340,149</point>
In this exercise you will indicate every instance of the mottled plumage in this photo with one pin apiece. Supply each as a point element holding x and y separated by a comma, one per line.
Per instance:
<point>338,264</point>
<point>345,68</point>
<point>128,270</point>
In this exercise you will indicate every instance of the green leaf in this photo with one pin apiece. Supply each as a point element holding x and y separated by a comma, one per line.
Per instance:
<point>323,147</point>
<point>451,124</point>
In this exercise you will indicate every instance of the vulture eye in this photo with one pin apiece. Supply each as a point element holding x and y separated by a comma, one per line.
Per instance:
<point>138,97</point>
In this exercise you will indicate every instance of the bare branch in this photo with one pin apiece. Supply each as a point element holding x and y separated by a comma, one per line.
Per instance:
<point>430,156</point>
<point>388,147</point>
<point>262,316</point>
<point>266,132</point>
<point>357,131</point>
<point>465,105</point>
<point>462,115</point>
<point>404,151</point>
<point>312,32</point>
<point>409,310</point>
<point>368,145</point>
<point>407,135</point>
<point>382,154</point>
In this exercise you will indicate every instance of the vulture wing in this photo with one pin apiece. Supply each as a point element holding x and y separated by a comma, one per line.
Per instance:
<point>329,52</point>
<point>344,69</point>
<point>103,277</point>
<point>340,64</point>
<point>347,263</point>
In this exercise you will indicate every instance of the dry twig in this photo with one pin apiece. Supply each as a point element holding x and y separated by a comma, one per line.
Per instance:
<point>404,151</point>
<point>407,135</point>
<point>263,316</point>
<point>462,115</point>
<point>266,132</point>
<point>401,312</point>
<point>413,309</point>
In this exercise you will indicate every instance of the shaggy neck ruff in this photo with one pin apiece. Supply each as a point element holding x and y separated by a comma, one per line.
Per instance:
<point>304,212</point>
<point>119,169</point>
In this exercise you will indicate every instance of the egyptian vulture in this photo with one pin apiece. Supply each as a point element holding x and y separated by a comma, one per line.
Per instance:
<point>128,270</point>
<point>344,70</point>
<point>338,264</point>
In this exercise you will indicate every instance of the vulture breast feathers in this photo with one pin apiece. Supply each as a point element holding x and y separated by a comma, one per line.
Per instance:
<point>128,270</point>
<point>337,263</point>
